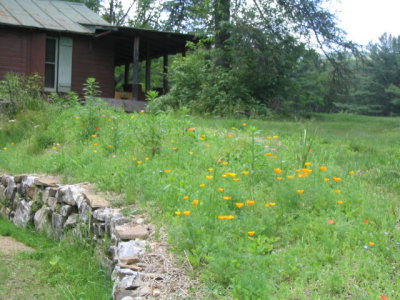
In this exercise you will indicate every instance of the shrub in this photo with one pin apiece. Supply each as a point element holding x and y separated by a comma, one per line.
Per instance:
<point>22,93</point>
<point>205,88</point>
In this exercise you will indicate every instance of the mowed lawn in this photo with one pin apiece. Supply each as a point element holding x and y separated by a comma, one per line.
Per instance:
<point>51,270</point>
<point>261,209</point>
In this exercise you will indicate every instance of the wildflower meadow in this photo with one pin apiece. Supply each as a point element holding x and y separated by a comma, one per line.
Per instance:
<point>261,209</point>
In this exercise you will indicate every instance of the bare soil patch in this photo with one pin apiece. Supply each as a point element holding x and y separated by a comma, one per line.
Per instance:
<point>9,246</point>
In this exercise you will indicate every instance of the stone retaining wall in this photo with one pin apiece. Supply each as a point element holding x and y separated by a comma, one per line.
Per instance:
<point>56,209</point>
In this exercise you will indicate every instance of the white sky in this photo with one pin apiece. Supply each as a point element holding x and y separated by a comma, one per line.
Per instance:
<point>364,20</point>
<point>367,20</point>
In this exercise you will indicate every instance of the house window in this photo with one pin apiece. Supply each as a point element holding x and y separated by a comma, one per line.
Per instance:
<point>51,64</point>
<point>58,64</point>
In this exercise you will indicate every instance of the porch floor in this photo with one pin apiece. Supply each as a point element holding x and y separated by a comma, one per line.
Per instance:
<point>129,105</point>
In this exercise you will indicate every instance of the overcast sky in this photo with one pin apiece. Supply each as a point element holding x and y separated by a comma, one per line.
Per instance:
<point>365,20</point>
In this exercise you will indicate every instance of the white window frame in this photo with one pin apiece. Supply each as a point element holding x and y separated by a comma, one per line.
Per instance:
<point>54,88</point>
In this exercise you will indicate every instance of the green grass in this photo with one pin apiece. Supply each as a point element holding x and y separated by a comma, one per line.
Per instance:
<point>55,270</point>
<point>295,252</point>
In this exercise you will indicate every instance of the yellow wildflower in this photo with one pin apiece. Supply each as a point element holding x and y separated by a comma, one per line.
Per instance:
<point>239,204</point>
<point>251,233</point>
<point>250,202</point>
<point>300,192</point>
<point>186,212</point>
<point>195,202</point>
<point>227,197</point>
<point>323,169</point>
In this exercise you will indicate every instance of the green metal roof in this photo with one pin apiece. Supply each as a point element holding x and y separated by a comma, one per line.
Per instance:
<point>50,15</point>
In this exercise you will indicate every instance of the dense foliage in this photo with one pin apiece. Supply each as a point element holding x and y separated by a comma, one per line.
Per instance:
<point>266,56</point>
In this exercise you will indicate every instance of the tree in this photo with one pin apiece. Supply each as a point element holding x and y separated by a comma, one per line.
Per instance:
<point>94,5</point>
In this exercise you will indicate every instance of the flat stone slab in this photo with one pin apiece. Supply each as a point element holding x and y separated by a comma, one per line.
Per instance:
<point>131,232</point>
<point>96,201</point>
<point>46,181</point>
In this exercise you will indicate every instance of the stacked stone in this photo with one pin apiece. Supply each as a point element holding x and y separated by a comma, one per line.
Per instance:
<point>55,209</point>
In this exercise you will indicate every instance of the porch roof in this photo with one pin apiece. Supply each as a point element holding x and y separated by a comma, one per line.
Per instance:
<point>153,43</point>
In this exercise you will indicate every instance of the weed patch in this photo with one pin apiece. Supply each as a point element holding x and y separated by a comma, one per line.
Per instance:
<point>262,209</point>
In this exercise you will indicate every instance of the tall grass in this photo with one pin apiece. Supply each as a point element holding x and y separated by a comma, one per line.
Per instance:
<point>230,192</point>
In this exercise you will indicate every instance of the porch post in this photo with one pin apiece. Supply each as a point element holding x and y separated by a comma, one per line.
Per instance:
<point>165,73</point>
<point>148,68</point>
<point>126,74</point>
<point>135,83</point>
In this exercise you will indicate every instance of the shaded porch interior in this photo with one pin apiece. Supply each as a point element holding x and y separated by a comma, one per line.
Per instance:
<point>133,47</point>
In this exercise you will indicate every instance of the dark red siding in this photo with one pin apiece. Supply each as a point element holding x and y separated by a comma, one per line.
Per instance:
<point>21,51</point>
<point>93,58</point>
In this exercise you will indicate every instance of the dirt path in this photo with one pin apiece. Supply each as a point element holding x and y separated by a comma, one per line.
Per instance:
<point>9,246</point>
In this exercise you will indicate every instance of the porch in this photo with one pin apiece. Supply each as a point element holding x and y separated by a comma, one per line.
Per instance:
<point>133,47</point>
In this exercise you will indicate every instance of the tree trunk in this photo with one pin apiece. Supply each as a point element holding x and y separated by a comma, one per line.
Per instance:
<point>221,26</point>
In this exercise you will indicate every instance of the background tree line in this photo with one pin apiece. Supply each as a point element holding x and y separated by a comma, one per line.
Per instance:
<point>261,56</point>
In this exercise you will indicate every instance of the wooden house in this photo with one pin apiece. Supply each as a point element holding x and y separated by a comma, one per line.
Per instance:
<point>66,42</point>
